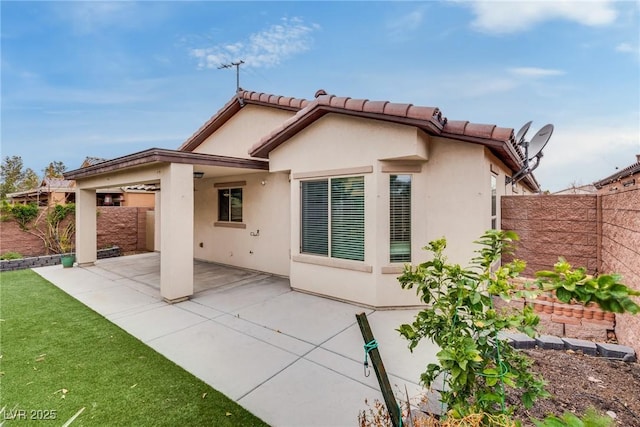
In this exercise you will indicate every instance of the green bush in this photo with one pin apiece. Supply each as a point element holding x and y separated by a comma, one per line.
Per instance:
<point>11,255</point>
<point>591,418</point>
<point>24,214</point>
<point>474,364</point>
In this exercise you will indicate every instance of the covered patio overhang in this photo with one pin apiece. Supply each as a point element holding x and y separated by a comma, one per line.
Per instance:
<point>173,172</point>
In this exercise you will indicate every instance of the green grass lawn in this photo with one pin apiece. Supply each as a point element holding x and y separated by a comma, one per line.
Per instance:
<point>58,357</point>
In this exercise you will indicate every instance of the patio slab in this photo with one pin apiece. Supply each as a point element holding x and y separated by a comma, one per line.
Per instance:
<point>291,358</point>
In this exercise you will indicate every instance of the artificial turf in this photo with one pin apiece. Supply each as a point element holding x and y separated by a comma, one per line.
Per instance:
<point>57,357</point>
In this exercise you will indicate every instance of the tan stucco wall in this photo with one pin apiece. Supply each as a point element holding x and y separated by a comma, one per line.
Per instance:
<point>243,130</point>
<point>450,197</point>
<point>139,200</point>
<point>265,208</point>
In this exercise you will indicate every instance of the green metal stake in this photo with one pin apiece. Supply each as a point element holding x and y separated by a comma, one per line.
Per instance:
<point>381,373</point>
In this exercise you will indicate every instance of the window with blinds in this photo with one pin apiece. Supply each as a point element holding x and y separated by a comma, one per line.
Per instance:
<point>314,217</point>
<point>400,218</point>
<point>347,218</point>
<point>332,218</point>
<point>494,202</point>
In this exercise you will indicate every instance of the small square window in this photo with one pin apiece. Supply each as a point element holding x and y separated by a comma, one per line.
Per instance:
<point>230,204</point>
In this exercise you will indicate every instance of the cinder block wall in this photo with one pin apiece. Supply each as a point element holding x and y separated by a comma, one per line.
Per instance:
<point>621,250</point>
<point>120,226</point>
<point>123,227</point>
<point>553,226</point>
<point>13,239</point>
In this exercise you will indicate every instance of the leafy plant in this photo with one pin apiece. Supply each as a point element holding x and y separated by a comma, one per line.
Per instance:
<point>11,255</point>
<point>576,286</point>
<point>23,214</point>
<point>591,418</point>
<point>59,236</point>
<point>474,364</point>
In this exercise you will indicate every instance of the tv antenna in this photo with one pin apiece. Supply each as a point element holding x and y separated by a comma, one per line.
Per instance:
<point>532,150</point>
<point>237,65</point>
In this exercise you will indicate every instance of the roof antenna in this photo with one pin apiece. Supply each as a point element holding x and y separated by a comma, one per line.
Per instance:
<point>532,150</point>
<point>237,65</point>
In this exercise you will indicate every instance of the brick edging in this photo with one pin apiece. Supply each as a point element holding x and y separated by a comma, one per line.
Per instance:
<point>610,351</point>
<point>46,260</point>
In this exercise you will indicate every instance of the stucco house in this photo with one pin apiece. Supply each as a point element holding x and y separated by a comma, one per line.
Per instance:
<point>336,194</point>
<point>50,192</point>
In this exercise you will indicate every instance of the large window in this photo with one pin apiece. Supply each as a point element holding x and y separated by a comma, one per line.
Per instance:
<point>400,218</point>
<point>494,202</point>
<point>332,217</point>
<point>230,205</point>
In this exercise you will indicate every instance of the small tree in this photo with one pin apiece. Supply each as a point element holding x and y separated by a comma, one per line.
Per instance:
<point>55,169</point>
<point>13,178</point>
<point>474,363</point>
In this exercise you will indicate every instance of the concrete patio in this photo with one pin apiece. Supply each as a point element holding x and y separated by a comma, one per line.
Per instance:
<point>291,358</point>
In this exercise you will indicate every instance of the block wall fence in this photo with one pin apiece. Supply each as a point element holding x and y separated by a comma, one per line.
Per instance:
<point>600,232</point>
<point>124,227</point>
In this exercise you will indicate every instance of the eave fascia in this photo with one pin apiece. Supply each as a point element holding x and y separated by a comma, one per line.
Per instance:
<point>158,155</point>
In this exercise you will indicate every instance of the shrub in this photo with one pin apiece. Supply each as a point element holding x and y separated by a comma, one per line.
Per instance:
<point>474,364</point>
<point>11,255</point>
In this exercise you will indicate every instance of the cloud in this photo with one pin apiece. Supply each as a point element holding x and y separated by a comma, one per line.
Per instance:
<point>625,47</point>
<point>628,48</point>
<point>264,49</point>
<point>515,16</point>
<point>534,72</point>
<point>91,17</point>
<point>587,153</point>
<point>400,27</point>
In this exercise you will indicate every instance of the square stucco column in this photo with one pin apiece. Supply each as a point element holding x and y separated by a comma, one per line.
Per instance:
<point>86,227</point>
<point>176,229</point>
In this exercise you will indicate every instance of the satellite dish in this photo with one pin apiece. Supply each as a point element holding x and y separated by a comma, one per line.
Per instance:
<point>522,132</point>
<point>532,149</point>
<point>539,141</point>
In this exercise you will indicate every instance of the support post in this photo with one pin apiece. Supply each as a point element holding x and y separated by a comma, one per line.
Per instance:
<point>86,227</point>
<point>381,373</point>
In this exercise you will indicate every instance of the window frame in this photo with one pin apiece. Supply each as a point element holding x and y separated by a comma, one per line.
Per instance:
<point>403,212</point>
<point>494,201</point>
<point>343,214</point>
<point>230,215</point>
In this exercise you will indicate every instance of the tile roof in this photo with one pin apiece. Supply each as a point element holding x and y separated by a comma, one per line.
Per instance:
<point>499,140</point>
<point>430,119</point>
<point>57,183</point>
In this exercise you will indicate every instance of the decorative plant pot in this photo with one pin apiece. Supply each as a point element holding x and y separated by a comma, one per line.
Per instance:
<point>67,260</point>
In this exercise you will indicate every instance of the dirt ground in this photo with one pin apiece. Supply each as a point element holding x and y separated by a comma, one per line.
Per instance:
<point>577,382</point>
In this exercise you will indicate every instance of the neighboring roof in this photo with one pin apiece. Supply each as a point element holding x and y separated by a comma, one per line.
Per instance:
<point>47,185</point>
<point>159,155</point>
<point>56,183</point>
<point>234,105</point>
<point>628,171</point>
<point>140,188</point>
<point>581,189</point>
